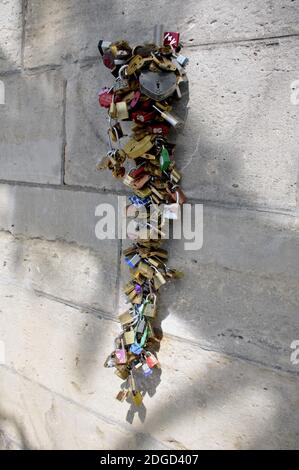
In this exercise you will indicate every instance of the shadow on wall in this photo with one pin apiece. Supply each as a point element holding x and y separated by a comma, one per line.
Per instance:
<point>199,391</point>
<point>12,422</point>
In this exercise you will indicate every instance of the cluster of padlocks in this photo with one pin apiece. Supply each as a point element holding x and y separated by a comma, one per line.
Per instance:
<point>147,85</point>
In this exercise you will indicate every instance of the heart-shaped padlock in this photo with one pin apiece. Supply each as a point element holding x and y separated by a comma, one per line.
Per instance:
<point>157,86</point>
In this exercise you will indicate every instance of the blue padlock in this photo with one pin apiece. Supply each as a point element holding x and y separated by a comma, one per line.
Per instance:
<point>147,370</point>
<point>138,201</point>
<point>136,349</point>
<point>132,262</point>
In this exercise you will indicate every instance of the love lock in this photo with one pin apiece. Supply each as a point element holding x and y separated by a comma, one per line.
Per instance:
<point>157,85</point>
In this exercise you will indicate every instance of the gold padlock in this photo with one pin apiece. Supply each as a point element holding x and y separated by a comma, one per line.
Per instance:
<point>175,175</point>
<point>145,270</point>
<point>129,337</point>
<point>150,307</point>
<point>122,395</point>
<point>135,149</point>
<point>164,63</point>
<point>103,164</point>
<point>128,180</point>
<point>136,64</point>
<point>113,110</point>
<point>129,287</point>
<point>156,192</point>
<point>138,299</point>
<point>142,193</point>
<point>125,318</point>
<point>137,398</point>
<point>159,280</point>
<point>122,372</point>
<point>122,111</point>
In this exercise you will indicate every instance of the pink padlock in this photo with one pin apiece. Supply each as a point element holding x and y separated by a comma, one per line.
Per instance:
<point>121,354</point>
<point>135,100</point>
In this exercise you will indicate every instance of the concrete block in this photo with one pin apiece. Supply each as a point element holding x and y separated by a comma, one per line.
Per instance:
<point>56,394</point>
<point>31,132</point>
<point>66,271</point>
<point>239,294</point>
<point>41,420</point>
<point>52,214</point>
<point>241,137</point>
<point>10,34</point>
<point>82,272</point>
<point>53,34</point>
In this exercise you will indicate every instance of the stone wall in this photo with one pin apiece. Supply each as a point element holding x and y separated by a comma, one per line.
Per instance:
<point>227,373</point>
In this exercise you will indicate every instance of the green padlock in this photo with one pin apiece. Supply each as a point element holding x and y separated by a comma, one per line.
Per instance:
<point>164,159</point>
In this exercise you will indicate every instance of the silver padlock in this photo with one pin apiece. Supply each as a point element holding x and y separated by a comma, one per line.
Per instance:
<point>157,85</point>
<point>121,83</point>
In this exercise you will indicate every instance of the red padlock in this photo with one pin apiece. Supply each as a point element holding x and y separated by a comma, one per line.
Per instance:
<point>137,172</point>
<point>143,116</point>
<point>162,129</point>
<point>171,39</point>
<point>105,99</point>
<point>152,361</point>
<point>177,195</point>
<point>108,60</point>
<point>135,100</point>
<point>144,105</point>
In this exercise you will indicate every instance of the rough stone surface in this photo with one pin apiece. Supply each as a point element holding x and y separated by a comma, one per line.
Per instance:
<point>242,133</point>
<point>53,214</point>
<point>239,293</point>
<point>56,394</point>
<point>71,28</point>
<point>31,131</point>
<point>66,271</point>
<point>82,272</point>
<point>10,34</point>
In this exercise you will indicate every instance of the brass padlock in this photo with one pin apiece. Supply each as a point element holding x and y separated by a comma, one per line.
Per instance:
<point>122,372</point>
<point>142,193</point>
<point>159,280</point>
<point>164,63</point>
<point>113,110</point>
<point>128,287</point>
<point>137,398</point>
<point>116,132</point>
<point>145,270</point>
<point>125,318</point>
<point>122,111</point>
<point>135,149</point>
<point>175,175</point>
<point>129,337</point>
<point>128,180</point>
<point>122,395</point>
<point>150,307</point>
<point>137,63</point>
<point>138,299</point>
<point>103,164</point>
